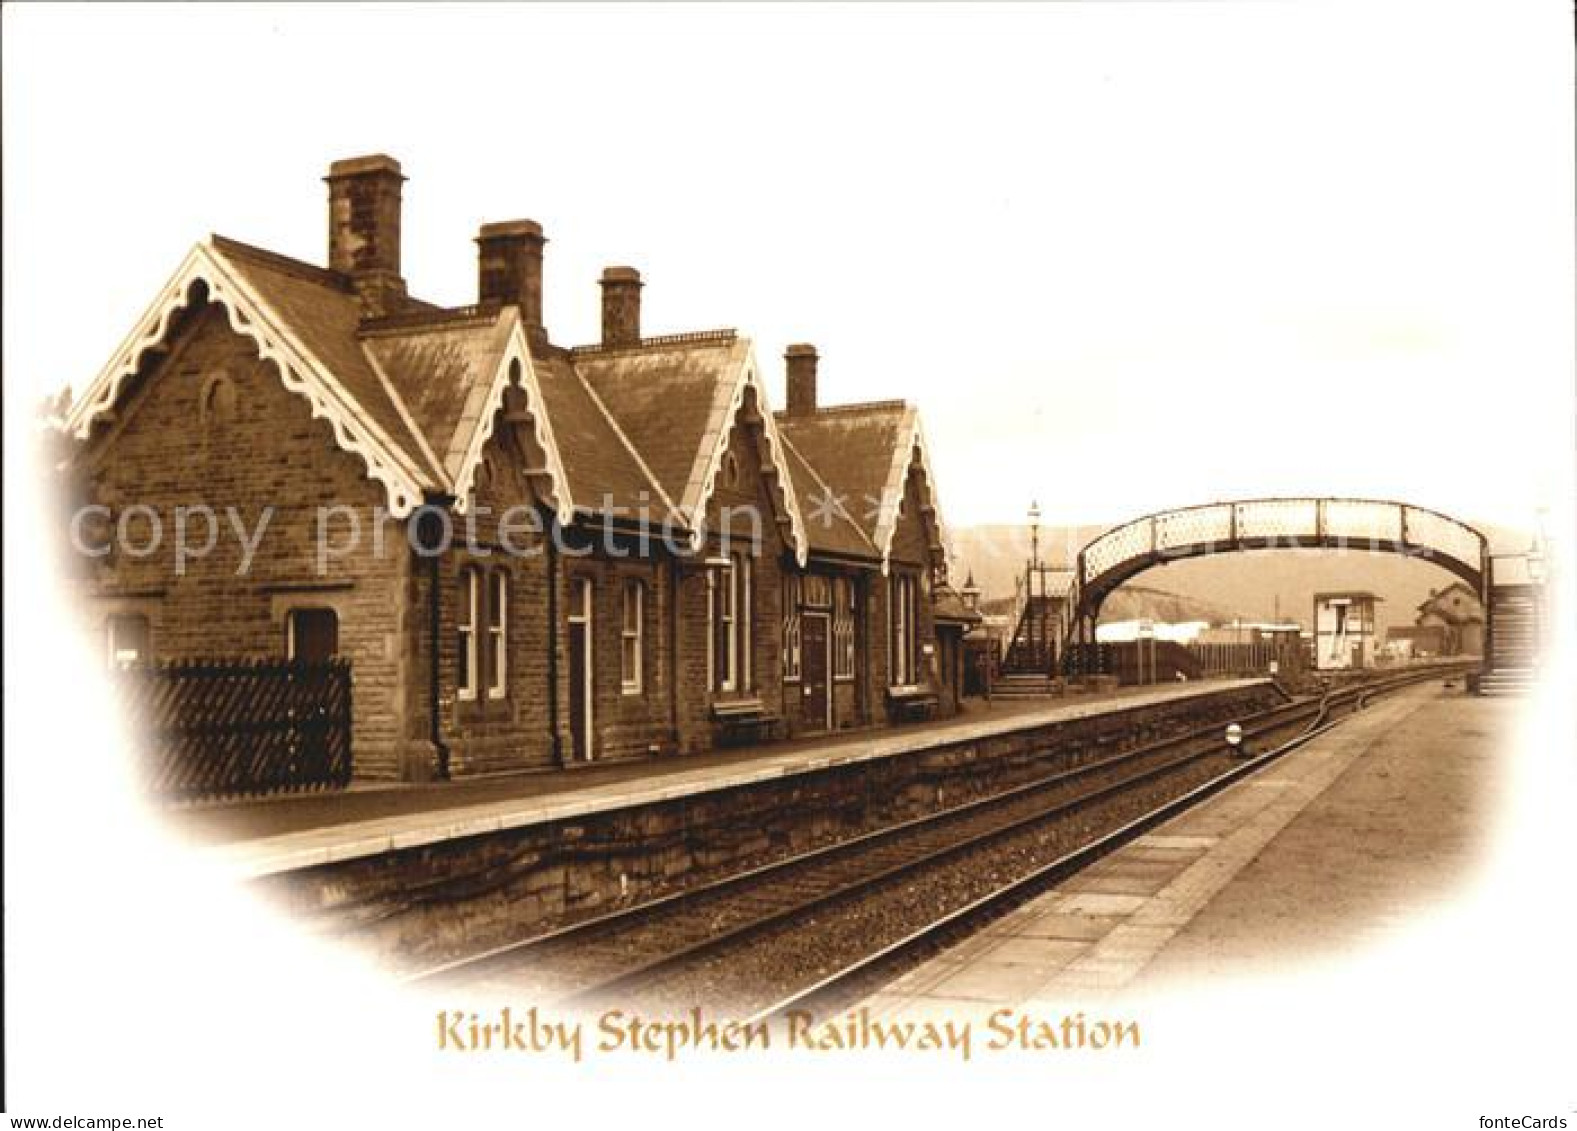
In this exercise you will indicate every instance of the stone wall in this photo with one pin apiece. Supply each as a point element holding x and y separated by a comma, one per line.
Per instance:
<point>211,424</point>
<point>420,905</point>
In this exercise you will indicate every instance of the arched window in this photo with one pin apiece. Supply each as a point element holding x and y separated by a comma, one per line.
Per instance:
<point>497,634</point>
<point>216,402</point>
<point>632,637</point>
<point>730,613</point>
<point>902,671</point>
<point>467,675</point>
<point>843,634</point>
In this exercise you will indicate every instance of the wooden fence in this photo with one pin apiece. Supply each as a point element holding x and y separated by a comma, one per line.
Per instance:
<point>1249,657</point>
<point>222,728</point>
<point>1165,661</point>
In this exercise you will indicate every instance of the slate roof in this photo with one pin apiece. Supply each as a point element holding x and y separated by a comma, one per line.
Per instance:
<point>442,368</point>
<point>852,447</point>
<point>669,398</point>
<point>829,518</point>
<point>415,393</point>
<point>602,464</point>
<point>863,453</point>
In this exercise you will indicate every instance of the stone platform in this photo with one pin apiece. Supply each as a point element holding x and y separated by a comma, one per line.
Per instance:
<point>421,875</point>
<point>264,837</point>
<point>1324,852</point>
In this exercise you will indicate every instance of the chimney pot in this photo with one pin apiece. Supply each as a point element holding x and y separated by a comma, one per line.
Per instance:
<point>801,364</point>
<point>621,306</point>
<point>509,268</point>
<point>364,228</point>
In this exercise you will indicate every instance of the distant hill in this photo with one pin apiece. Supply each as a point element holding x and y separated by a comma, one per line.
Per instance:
<point>1140,602</point>
<point>1259,585</point>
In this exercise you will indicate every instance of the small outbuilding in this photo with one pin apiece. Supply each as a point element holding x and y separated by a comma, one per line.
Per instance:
<point>1344,630</point>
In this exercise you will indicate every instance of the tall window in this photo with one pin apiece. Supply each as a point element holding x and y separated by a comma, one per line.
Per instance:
<point>902,634</point>
<point>744,609</point>
<point>791,627</point>
<point>497,634</point>
<point>312,635</point>
<point>843,628</point>
<point>127,637</point>
<point>729,617</point>
<point>467,676</point>
<point>720,584</point>
<point>631,675</point>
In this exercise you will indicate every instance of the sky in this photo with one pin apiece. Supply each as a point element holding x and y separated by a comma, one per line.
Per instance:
<point>1123,256</point>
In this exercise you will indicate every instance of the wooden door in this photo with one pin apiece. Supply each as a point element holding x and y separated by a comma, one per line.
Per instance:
<point>312,635</point>
<point>580,671</point>
<point>815,670</point>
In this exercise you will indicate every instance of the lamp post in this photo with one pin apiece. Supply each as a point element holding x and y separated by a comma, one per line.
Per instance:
<point>1029,579</point>
<point>1034,532</point>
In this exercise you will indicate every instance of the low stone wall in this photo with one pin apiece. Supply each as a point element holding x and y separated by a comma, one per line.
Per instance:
<point>419,906</point>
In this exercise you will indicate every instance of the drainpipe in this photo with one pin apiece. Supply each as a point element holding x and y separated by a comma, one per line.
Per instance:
<point>434,638</point>
<point>673,650</point>
<point>557,743</point>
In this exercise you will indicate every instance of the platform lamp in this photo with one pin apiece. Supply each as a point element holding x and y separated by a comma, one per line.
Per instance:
<point>1034,534</point>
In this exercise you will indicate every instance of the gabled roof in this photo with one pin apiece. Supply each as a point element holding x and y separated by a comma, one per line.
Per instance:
<point>441,368</point>
<point>675,401</point>
<point>948,606</point>
<point>605,470</point>
<point>373,381</point>
<point>1438,597</point>
<point>668,392</point>
<point>320,309</point>
<point>620,431</point>
<point>865,453</point>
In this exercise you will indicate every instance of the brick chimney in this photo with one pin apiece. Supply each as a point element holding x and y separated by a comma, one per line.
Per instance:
<point>509,269</point>
<point>801,363</point>
<point>621,306</point>
<point>364,228</point>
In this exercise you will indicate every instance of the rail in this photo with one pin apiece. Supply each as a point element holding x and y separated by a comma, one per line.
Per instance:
<point>852,979</point>
<point>646,944</point>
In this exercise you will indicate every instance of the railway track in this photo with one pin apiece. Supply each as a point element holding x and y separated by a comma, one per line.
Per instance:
<point>815,927</point>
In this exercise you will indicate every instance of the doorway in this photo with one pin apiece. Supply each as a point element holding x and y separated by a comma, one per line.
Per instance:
<point>312,635</point>
<point>580,672</point>
<point>815,686</point>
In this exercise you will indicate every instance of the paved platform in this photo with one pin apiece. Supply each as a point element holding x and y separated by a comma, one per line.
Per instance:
<point>259,838</point>
<point>1335,845</point>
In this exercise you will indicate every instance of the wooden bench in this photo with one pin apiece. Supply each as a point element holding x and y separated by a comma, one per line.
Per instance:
<point>911,704</point>
<point>744,720</point>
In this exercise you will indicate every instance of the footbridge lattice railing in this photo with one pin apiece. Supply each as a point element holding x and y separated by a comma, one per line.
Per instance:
<point>1249,524</point>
